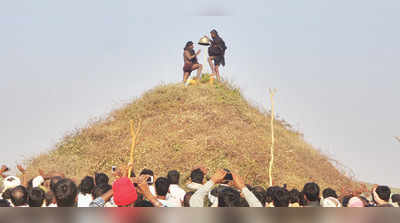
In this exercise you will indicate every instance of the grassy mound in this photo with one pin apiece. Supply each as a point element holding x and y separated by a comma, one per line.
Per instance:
<point>182,127</point>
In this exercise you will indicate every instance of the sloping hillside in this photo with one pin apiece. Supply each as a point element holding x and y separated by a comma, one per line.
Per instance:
<point>182,127</point>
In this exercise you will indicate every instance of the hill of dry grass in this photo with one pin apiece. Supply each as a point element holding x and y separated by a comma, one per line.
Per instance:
<point>182,127</point>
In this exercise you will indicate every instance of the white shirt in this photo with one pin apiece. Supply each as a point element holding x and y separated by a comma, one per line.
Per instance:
<point>170,203</point>
<point>194,186</point>
<point>176,192</point>
<point>152,190</point>
<point>84,200</point>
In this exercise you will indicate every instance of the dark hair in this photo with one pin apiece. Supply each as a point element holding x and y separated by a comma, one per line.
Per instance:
<point>197,176</point>
<point>302,200</point>
<point>53,181</point>
<point>345,200</point>
<point>229,197</point>
<point>147,172</point>
<point>19,196</point>
<point>101,189</point>
<point>294,196</point>
<point>364,200</point>
<point>86,186</point>
<point>281,197</point>
<point>311,191</point>
<point>396,198</point>
<point>65,192</point>
<point>162,186</point>
<point>36,197</point>
<point>48,197</point>
<point>7,194</point>
<point>143,203</point>
<point>189,43</point>
<point>173,177</point>
<point>383,192</point>
<point>329,192</point>
<point>243,202</point>
<point>101,178</point>
<point>270,193</point>
<point>4,203</point>
<point>186,198</point>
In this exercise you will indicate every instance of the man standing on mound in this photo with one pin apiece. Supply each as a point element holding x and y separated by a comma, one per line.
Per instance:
<point>191,63</point>
<point>216,53</point>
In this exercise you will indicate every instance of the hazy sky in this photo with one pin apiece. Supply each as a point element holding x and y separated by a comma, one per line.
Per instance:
<point>335,65</point>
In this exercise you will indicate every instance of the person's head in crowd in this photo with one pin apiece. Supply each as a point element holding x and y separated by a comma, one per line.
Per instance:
<point>355,202</point>
<point>53,181</point>
<point>66,192</point>
<point>186,199</point>
<point>19,196</point>
<point>86,186</point>
<point>7,194</point>
<point>396,199</point>
<point>229,197</point>
<point>383,192</point>
<point>345,200</point>
<point>302,200</point>
<point>329,192</point>
<point>49,198</point>
<point>101,178</point>
<point>330,202</point>
<point>173,177</point>
<point>197,176</point>
<point>101,189</point>
<point>269,195</point>
<point>162,187</point>
<point>143,203</point>
<point>294,198</point>
<point>365,201</point>
<point>259,192</point>
<point>150,173</point>
<point>4,203</point>
<point>311,192</point>
<point>125,193</point>
<point>36,197</point>
<point>281,197</point>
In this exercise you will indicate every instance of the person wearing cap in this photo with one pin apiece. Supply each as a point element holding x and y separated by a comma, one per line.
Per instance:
<point>124,192</point>
<point>216,53</point>
<point>190,61</point>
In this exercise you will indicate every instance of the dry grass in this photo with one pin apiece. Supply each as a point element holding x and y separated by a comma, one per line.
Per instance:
<point>182,127</point>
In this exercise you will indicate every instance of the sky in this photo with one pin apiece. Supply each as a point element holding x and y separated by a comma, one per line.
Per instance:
<point>335,65</point>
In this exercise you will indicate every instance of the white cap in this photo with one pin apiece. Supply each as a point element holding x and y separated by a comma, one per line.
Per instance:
<point>11,182</point>
<point>330,202</point>
<point>37,181</point>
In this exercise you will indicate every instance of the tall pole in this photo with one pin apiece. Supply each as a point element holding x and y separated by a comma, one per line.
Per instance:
<point>271,162</point>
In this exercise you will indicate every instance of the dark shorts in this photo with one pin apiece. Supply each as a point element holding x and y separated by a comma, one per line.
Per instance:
<point>188,67</point>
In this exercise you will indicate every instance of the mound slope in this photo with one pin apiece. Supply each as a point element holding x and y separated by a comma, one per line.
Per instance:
<point>183,127</point>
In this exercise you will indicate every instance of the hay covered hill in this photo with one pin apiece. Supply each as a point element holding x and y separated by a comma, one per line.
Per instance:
<point>183,127</point>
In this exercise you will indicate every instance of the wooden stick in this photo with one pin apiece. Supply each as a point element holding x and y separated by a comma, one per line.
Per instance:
<point>271,162</point>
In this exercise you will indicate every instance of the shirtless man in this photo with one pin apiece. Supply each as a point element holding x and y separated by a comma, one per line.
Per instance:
<point>191,63</point>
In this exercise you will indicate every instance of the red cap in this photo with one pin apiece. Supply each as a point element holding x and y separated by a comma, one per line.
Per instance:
<point>124,191</point>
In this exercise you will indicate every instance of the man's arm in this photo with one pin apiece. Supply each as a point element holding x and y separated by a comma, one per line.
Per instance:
<point>143,188</point>
<point>197,199</point>
<point>248,195</point>
<point>189,57</point>
<point>102,200</point>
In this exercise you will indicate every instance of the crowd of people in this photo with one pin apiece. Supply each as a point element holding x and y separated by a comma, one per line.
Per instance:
<point>222,189</point>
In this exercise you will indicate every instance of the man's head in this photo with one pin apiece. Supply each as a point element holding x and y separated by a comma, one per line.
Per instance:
<point>173,177</point>
<point>281,197</point>
<point>189,45</point>
<point>4,203</point>
<point>53,181</point>
<point>197,176</point>
<point>87,185</point>
<point>345,200</point>
<point>162,186</point>
<point>65,192</point>
<point>124,192</point>
<point>259,192</point>
<point>148,172</point>
<point>383,192</point>
<point>294,196</point>
<point>19,196</point>
<point>101,178</point>
<point>100,190</point>
<point>229,197</point>
<point>213,33</point>
<point>311,191</point>
<point>186,199</point>
<point>329,192</point>
<point>143,203</point>
<point>269,194</point>
<point>36,197</point>
<point>396,199</point>
<point>7,194</point>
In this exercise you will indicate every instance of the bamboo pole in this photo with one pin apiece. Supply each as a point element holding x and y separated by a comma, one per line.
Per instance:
<point>134,135</point>
<point>271,162</point>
